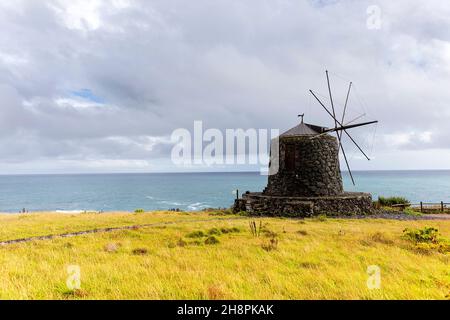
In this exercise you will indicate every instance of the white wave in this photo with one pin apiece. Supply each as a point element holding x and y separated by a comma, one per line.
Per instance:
<point>76,211</point>
<point>172,203</point>
<point>197,206</point>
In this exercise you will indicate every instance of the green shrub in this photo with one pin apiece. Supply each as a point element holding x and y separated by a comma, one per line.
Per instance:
<point>425,235</point>
<point>139,211</point>
<point>412,212</point>
<point>196,234</point>
<point>427,240</point>
<point>180,243</point>
<point>230,230</point>
<point>389,201</point>
<point>212,240</point>
<point>214,231</point>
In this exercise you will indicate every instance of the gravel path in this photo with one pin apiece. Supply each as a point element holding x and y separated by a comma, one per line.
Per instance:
<point>400,216</point>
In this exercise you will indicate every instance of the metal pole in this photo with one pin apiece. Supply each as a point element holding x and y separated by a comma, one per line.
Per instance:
<point>442,206</point>
<point>421,206</point>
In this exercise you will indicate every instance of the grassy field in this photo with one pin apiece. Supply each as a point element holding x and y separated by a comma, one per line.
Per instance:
<point>218,259</point>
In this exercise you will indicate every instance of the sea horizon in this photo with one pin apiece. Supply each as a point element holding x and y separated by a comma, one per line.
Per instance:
<point>202,172</point>
<point>189,191</point>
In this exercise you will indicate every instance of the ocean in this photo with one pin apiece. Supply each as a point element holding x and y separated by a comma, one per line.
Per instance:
<point>188,191</point>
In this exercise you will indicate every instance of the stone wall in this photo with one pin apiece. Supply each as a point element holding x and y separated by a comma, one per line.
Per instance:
<point>350,203</point>
<point>312,170</point>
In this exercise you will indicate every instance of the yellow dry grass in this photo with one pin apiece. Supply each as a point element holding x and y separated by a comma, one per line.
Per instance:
<point>314,259</point>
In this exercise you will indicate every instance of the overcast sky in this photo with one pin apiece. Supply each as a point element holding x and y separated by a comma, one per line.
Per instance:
<point>99,86</point>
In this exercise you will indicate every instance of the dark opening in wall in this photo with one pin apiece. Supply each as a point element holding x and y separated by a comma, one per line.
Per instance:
<point>290,157</point>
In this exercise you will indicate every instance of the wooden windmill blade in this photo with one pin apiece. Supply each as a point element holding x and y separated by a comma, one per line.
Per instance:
<point>345,108</point>
<point>331,100</point>
<point>339,135</point>
<point>339,126</point>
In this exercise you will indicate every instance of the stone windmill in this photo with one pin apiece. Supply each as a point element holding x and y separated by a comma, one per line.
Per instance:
<point>307,179</point>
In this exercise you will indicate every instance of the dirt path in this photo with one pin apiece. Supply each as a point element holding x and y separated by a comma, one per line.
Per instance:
<point>134,227</point>
<point>399,216</point>
<point>103,230</point>
<point>438,216</point>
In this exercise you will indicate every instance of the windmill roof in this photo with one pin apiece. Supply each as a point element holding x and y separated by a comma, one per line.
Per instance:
<point>303,129</point>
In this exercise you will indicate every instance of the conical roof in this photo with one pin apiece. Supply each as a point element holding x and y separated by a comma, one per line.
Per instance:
<point>303,129</point>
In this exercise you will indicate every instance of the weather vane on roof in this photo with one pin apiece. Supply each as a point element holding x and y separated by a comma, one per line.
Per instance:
<point>301,116</point>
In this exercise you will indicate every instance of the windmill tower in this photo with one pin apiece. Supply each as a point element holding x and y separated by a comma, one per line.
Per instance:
<point>308,166</point>
<point>308,178</point>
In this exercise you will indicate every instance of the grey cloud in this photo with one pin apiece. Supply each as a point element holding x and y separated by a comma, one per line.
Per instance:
<point>160,65</point>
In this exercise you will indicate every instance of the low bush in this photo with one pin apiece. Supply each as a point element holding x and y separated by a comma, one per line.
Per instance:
<point>230,230</point>
<point>412,212</point>
<point>140,251</point>
<point>389,201</point>
<point>139,211</point>
<point>212,240</point>
<point>425,235</point>
<point>196,234</point>
<point>214,231</point>
<point>181,243</point>
<point>427,240</point>
<point>270,245</point>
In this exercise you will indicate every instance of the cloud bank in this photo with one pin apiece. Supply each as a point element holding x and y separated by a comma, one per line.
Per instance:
<point>92,86</point>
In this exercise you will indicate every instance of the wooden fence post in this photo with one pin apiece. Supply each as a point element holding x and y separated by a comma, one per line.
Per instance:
<point>442,206</point>
<point>421,206</point>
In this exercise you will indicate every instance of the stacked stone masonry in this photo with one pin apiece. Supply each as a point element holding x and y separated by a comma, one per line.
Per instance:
<point>351,203</point>
<point>314,168</point>
<point>308,182</point>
